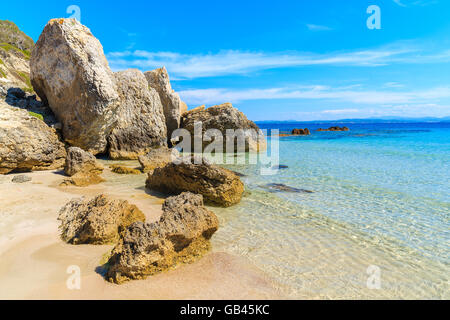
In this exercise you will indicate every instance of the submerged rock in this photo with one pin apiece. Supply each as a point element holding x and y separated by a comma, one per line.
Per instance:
<point>173,106</point>
<point>180,236</point>
<point>119,169</point>
<point>157,158</point>
<point>69,71</point>
<point>335,129</point>
<point>82,167</point>
<point>218,186</point>
<point>21,179</point>
<point>278,187</point>
<point>96,221</point>
<point>223,117</point>
<point>140,120</point>
<point>27,143</point>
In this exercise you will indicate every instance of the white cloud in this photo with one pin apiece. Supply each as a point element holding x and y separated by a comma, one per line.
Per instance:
<point>406,3</point>
<point>366,97</point>
<point>232,62</point>
<point>316,27</point>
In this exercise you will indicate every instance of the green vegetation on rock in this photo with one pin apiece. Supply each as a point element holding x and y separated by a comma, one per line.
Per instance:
<point>11,34</point>
<point>8,47</point>
<point>27,80</point>
<point>36,115</point>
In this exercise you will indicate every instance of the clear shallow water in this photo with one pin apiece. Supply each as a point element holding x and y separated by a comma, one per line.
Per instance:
<point>381,197</point>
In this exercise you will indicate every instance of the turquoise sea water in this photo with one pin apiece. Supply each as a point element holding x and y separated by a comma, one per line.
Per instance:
<point>381,197</point>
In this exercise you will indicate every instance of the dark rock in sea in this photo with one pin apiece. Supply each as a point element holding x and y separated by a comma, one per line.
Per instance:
<point>281,166</point>
<point>278,187</point>
<point>334,129</point>
<point>301,132</point>
<point>21,179</point>
<point>238,174</point>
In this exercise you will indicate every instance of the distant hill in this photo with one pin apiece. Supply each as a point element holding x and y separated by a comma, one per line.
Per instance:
<point>15,53</point>
<point>12,35</point>
<point>366,120</point>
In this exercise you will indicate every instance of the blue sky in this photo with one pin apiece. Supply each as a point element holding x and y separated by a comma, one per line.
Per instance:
<point>276,60</point>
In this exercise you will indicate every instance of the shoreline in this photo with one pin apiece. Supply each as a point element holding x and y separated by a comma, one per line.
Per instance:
<point>40,259</point>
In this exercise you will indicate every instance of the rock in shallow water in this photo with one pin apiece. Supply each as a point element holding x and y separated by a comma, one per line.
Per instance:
<point>82,168</point>
<point>96,221</point>
<point>278,187</point>
<point>218,186</point>
<point>223,117</point>
<point>27,143</point>
<point>157,158</point>
<point>180,236</point>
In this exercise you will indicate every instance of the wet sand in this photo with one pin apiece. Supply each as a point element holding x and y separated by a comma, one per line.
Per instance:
<point>34,261</point>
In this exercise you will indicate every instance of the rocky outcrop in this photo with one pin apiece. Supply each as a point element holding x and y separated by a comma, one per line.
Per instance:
<point>218,186</point>
<point>335,129</point>
<point>180,236</point>
<point>225,117</point>
<point>173,106</point>
<point>82,167</point>
<point>301,132</point>
<point>279,187</point>
<point>96,221</point>
<point>96,107</point>
<point>157,158</point>
<point>140,119</point>
<point>27,143</point>
<point>15,48</point>
<point>69,71</point>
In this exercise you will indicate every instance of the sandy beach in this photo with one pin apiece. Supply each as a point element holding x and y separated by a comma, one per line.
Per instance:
<point>34,261</point>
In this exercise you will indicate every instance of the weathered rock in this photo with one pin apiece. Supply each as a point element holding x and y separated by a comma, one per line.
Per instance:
<point>223,117</point>
<point>141,125</point>
<point>180,236</point>
<point>80,161</point>
<point>21,179</point>
<point>335,129</point>
<point>119,169</point>
<point>157,158</point>
<point>302,132</point>
<point>69,71</point>
<point>96,221</point>
<point>82,168</point>
<point>218,186</point>
<point>27,143</point>
<point>173,106</point>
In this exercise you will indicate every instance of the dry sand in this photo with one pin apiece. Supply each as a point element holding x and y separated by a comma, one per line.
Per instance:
<point>34,261</point>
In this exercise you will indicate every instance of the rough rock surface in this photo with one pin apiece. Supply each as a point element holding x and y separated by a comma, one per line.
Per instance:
<point>96,221</point>
<point>79,160</point>
<point>223,117</point>
<point>218,186</point>
<point>181,236</point>
<point>27,143</point>
<point>141,123</point>
<point>335,129</point>
<point>69,71</point>
<point>157,158</point>
<point>302,132</point>
<point>21,179</point>
<point>173,106</point>
<point>120,169</point>
<point>82,168</point>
